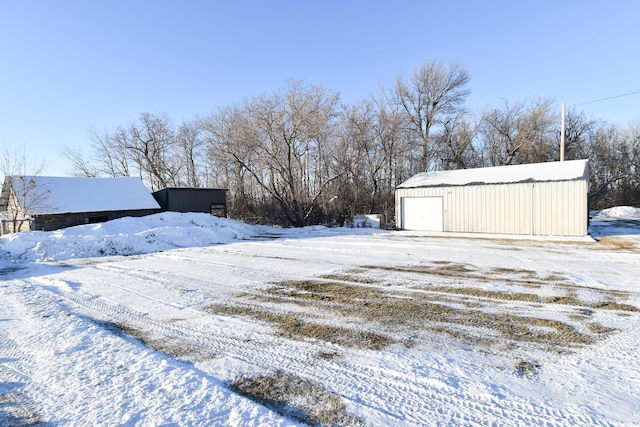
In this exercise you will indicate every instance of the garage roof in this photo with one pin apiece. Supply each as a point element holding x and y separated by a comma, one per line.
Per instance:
<point>56,195</point>
<point>537,172</point>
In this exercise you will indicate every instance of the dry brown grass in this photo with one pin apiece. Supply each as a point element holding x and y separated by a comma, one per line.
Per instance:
<point>617,243</point>
<point>402,313</point>
<point>597,328</point>
<point>570,298</point>
<point>369,309</point>
<point>172,346</point>
<point>294,327</point>
<point>509,276</point>
<point>365,313</point>
<point>376,306</point>
<point>349,276</point>
<point>526,368</point>
<point>298,398</point>
<point>612,305</point>
<point>483,293</point>
<point>504,270</point>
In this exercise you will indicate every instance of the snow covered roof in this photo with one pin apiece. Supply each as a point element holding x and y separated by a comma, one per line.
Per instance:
<point>536,172</point>
<point>56,195</point>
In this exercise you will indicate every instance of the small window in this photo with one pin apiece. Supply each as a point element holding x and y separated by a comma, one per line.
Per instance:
<point>219,210</point>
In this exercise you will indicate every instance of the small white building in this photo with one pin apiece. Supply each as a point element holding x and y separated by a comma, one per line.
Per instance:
<point>544,199</point>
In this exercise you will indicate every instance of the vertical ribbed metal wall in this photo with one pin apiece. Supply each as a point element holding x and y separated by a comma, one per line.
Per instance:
<point>557,208</point>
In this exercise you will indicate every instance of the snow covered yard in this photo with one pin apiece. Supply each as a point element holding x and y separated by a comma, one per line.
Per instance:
<point>191,320</point>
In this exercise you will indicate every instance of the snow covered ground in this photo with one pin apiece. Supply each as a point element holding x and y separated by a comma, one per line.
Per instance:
<point>191,320</point>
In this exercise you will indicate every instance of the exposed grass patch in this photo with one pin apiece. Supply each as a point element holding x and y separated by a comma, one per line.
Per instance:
<point>553,278</point>
<point>372,315</point>
<point>293,327</point>
<point>504,270</point>
<point>605,294</point>
<point>483,293</point>
<point>466,336</point>
<point>329,355</point>
<point>417,311</point>
<point>172,346</point>
<point>349,277</point>
<point>611,305</point>
<point>597,328</point>
<point>617,243</point>
<point>296,328</point>
<point>298,398</point>
<point>569,299</point>
<point>323,290</point>
<point>510,276</point>
<point>451,270</point>
<point>616,294</point>
<point>526,368</point>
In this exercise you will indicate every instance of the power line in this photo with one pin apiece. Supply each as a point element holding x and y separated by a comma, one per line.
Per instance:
<point>606,99</point>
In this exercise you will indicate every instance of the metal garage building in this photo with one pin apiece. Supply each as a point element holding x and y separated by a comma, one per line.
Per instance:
<point>535,199</point>
<point>189,199</point>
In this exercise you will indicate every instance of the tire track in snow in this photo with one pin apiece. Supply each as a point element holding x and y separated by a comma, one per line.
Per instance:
<point>383,390</point>
<point>13,380</point>
<point>401,397</point>
<point>265,355</point>
<point>19,392</point>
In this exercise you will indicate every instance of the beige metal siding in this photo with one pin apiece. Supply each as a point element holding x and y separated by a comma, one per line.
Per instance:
<point>561,208</point>
<point>556,208</point>
<point>489,209</point>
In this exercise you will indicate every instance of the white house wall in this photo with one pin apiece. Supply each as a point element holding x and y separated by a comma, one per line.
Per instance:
<point>540,208</point>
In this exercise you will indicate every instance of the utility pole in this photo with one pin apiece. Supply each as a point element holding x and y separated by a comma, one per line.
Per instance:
<point>562,135</point>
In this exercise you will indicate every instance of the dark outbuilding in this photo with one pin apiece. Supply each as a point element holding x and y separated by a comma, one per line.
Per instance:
<point>187,199</point>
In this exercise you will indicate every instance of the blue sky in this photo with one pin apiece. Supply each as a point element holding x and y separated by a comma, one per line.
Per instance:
<point>69,66</point>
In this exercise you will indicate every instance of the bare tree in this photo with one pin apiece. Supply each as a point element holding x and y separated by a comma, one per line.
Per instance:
<point>80,165</point>
<point>579,131</point>
<point>360,156</point>
<point>191,145</point>
<point>229,138</point>
<point>372,152</point>
<point>149,147</point>
<point>109,158</point>
<point>614,164</point>
<point>23,191</point>
<point>456,143</point>
<point>151,143</point>
<point>282,142</point>
<point>519,133</point>
<point>433,92</point>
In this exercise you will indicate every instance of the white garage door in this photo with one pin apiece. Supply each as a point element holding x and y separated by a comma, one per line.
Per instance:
<point>422,213</point>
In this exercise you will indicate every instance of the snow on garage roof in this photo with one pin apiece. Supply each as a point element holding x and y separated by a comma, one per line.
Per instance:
<point>536,172</point>
<point>56,195</point>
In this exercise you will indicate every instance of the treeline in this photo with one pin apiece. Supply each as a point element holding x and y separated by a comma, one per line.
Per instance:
<point>300,157</point>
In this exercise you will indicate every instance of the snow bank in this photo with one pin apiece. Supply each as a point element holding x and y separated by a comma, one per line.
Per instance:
<point>128,236</point>
<point>153,233</point>
<point>618,212</point>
